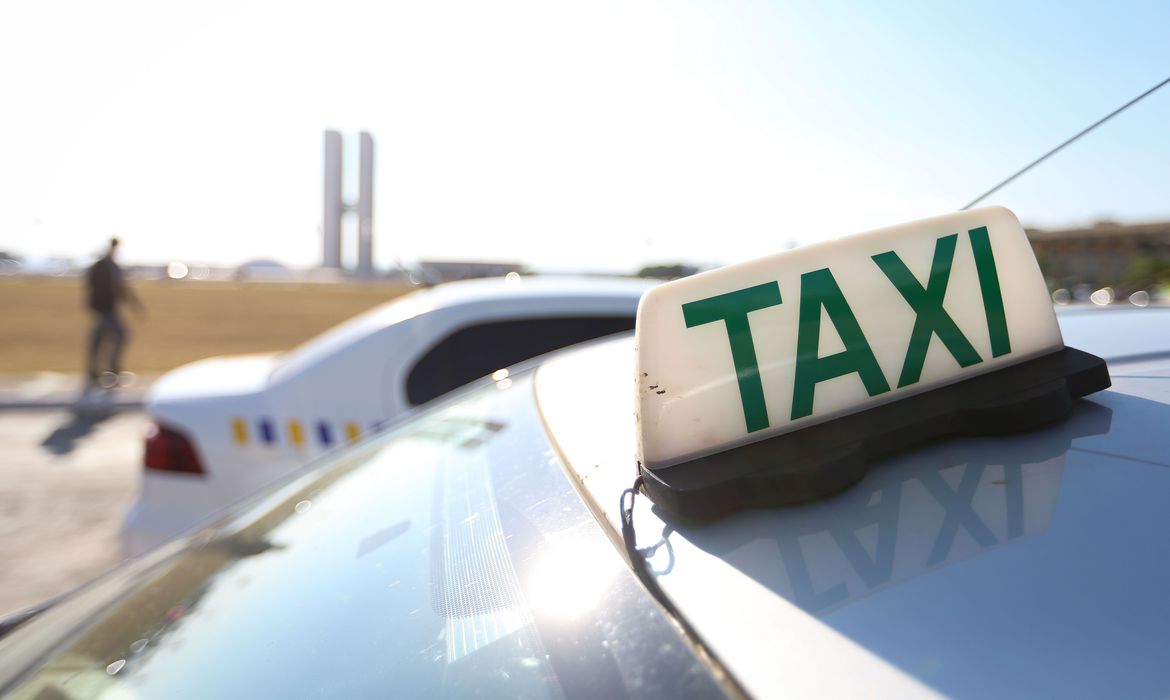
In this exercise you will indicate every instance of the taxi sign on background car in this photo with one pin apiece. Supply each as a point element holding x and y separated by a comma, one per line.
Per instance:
<point>778,380</point>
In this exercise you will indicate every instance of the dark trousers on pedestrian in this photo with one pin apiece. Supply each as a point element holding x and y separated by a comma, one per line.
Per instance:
<point>105,345</point>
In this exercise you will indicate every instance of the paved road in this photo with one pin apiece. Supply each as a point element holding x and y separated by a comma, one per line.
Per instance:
<point>61,390</point>
<point>67,480</point>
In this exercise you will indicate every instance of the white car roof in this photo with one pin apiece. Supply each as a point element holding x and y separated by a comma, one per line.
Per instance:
<point>1026,564</point>
<point>1117,333</point>
<point>494,297</point>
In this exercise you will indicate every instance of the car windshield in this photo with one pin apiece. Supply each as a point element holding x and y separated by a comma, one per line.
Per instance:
<point>450,557</point>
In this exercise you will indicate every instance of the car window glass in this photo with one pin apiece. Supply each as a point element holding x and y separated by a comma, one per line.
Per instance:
<point>449,558</point>
<point>476,351</point>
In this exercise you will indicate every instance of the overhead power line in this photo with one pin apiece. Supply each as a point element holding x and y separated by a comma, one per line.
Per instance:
<point>1049,154</point>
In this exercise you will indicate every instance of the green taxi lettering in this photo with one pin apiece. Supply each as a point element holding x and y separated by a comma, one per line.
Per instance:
<point>931,319</point>
<point>818,289</point>
<point>989,288</point>
<point>732,308</point>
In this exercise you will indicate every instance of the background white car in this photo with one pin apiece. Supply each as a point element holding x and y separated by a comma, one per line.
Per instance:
<point>226,426</point>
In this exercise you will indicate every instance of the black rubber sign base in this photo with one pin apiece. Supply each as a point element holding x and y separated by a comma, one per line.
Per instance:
<point>822,459</point>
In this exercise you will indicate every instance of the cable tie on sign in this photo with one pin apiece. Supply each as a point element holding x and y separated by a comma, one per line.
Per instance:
<point>641,567</point>
<point>629,538</point>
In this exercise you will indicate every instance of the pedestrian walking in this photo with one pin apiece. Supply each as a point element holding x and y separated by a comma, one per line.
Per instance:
<point>106,293</point>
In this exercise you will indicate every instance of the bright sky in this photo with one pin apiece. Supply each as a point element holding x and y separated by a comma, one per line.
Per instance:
<point>597,134</point>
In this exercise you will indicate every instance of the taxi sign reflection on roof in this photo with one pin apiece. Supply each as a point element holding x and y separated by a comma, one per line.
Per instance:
<point>853,327</point>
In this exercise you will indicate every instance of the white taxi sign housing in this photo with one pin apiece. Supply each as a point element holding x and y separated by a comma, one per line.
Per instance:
<point>764,347</point>
<point>767,347</point>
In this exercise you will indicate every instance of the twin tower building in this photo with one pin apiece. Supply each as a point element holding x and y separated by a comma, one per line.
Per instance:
<point>336,207</point>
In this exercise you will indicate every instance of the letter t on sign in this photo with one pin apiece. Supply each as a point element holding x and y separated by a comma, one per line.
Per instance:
<point>732,308</point>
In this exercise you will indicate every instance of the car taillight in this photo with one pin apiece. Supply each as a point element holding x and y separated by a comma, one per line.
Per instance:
<point>168,450</point>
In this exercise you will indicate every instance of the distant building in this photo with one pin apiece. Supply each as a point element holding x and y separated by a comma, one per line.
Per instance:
<point>9,263</point>
<point>668,272</point>
<point>436,271</point>
<point>1104,254</point>
<point>264,271</point>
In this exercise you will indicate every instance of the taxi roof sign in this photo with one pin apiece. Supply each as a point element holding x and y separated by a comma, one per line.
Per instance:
<point>768,350</point>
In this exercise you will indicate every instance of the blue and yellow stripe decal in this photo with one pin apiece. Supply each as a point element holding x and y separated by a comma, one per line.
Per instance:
<point>297,433</point>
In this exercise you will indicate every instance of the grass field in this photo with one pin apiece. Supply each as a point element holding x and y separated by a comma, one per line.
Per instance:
<point>45,322</point>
